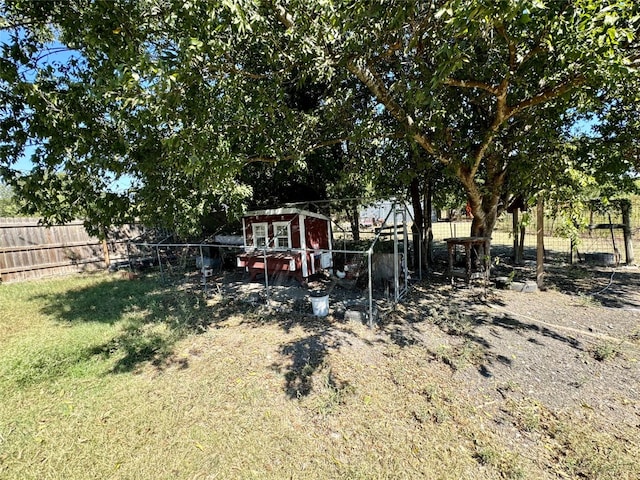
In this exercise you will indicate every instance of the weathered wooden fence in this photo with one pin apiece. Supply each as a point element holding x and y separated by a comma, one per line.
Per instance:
<point>29,250</point>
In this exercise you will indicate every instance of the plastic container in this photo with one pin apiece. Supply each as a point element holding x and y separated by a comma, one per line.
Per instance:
<point>320,306</point>
<point>601,259</point>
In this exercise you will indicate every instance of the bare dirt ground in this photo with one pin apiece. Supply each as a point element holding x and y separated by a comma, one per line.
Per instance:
<point>574,347</point>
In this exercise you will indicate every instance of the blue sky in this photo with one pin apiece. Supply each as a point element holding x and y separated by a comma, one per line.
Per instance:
<point>56,54</point>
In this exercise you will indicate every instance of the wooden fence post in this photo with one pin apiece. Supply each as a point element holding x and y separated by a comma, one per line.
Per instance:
<point>516,236</point>
<point>105,251</point>
<point>105,247</point>
<point>626,228</point>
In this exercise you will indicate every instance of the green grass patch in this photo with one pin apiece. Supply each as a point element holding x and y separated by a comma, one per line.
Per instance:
<point>605,351</point>
<point>507,463</point>
<point>82,326</point>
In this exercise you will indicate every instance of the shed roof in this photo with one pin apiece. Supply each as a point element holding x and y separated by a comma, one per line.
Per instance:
<point>285,211</point>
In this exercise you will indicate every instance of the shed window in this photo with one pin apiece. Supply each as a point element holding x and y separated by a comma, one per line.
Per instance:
<point>259,234</point>
<point>282,234</point>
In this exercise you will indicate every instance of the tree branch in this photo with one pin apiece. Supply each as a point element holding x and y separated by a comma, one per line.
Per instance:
<point>452,82</point>
<point>538,48</point>
<point>500,28</point>
<point>502,114</point>
<point>372,81</point>
<point>367,75</point>
<point>263,159</point>
<point>285,17</point>
<point>311,148</point>
<point>532,53</point>
<point>546,95</point>
<point>52,51</point>
<point>239,71</point>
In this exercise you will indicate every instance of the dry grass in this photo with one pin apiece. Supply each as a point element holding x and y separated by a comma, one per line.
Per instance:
<point>156,384</point>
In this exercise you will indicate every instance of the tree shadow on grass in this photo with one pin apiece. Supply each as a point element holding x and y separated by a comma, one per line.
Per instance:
<point>148,318</point>
<point>304,357</point>
<point>107,301</point>
<point>307,355</point>
<point>511,323</point>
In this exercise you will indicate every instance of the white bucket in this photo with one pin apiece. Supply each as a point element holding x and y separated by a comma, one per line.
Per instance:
<point>320,306</point>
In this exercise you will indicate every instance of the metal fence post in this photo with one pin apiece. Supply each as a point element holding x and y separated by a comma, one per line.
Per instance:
<point>369,253</point>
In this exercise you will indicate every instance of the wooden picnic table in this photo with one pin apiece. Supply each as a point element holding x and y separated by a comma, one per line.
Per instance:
<point>467,243</point>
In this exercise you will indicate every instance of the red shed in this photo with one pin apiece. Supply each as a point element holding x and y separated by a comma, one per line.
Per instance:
<point>297,242</point>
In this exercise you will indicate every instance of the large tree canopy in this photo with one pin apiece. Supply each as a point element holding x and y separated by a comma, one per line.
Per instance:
<point>152,108</point>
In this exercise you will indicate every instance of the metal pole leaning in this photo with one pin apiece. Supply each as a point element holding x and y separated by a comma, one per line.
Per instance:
<point>266,275</point>
<point>405,265</point>
<point>396,270</point>
<point>369,253</point>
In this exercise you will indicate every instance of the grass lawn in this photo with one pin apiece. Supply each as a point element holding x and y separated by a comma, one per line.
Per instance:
<point>102,377</point>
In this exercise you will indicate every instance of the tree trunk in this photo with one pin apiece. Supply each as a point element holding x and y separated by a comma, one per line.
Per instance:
<point>418,222</point>
<point>354,219</point>
<point>105,247</point>
<point>428,241</point>
<point>626,222</point>
<point>521,246</point>
<point>483,224</point>
<point>421,201</point>
<point>516,236</point>
<point>485,215</point>
<point>484,204</point>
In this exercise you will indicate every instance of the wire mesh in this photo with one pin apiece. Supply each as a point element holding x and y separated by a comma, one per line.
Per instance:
<point>600,240</point>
